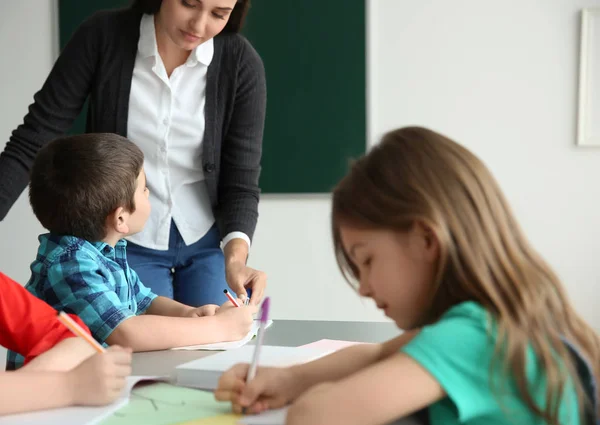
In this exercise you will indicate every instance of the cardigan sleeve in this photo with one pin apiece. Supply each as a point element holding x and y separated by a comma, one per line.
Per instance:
<point>54,109</point>
<point>242,147</point>
<point>28,325</point>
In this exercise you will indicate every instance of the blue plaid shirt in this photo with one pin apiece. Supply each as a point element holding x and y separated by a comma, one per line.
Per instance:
<point>91,280</point>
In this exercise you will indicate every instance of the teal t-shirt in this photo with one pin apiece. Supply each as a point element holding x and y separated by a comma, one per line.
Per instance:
<point>457,351</point>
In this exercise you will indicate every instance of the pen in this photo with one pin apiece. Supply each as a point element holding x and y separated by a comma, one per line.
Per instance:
<point>264,318</point>
<point>233,300</point>
<point>78,330</point>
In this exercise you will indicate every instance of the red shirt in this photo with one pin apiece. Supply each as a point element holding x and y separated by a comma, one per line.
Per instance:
<point>28,325</point>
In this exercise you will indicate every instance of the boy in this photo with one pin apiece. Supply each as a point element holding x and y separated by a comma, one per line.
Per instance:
<point>66,370</point>
<point>90,192</point>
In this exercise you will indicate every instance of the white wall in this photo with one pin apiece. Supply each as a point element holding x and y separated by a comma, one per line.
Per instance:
<point>26,49</point>
<point>501,78</point>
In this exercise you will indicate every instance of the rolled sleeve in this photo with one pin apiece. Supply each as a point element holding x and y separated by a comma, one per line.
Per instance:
<point>143,295</point>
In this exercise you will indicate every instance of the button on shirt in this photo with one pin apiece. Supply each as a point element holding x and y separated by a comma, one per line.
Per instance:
<point>166,120</point>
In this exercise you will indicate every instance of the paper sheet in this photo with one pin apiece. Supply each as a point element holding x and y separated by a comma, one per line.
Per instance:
<point>76,415</point>
<point>204,372</point>
<point>166,404</point>
<point>332,344</point>
<point>220,346</point>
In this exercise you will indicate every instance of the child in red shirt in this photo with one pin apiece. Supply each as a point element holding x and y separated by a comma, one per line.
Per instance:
<point>66,370</point>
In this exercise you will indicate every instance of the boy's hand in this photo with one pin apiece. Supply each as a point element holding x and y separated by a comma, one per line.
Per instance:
<point>205,310</point>
<point>100,379</point>
<point>225,306</point>
<point>236,321</point>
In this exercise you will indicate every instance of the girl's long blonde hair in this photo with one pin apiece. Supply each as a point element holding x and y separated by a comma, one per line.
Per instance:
<point>416,174</point>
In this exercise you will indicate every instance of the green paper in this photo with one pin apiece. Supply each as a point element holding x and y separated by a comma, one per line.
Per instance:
<point>166,404</point>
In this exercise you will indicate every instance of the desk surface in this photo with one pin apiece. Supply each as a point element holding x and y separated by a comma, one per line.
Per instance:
<point>289,333</point>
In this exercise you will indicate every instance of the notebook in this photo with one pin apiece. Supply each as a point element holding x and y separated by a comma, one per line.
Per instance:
<point>231,345</point>
<point>204,373</point>
<point>76,414</point>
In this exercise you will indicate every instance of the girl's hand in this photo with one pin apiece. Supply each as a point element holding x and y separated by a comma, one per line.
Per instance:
<point>271,388</point>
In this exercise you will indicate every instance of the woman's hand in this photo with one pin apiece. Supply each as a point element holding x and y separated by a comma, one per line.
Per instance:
<point>239,277</point>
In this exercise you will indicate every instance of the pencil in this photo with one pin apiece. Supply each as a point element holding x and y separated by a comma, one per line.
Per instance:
<point>78,331</point>
<point>233,300</point>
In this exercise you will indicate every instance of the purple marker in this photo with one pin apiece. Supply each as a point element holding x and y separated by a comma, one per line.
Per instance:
<point>264,318</point>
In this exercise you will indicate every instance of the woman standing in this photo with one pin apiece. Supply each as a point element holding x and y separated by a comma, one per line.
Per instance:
<point>176,78</point>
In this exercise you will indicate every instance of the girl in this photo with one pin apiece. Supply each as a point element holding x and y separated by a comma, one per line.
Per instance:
<point>60,370</point>
<point>176,78</point>
<point>423,228</point>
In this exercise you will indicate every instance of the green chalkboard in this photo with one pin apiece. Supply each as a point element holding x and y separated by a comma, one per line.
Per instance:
<point>314,56</point>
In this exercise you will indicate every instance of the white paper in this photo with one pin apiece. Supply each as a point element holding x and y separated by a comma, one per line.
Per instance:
<point>270,355</point>
<point>333,344</point>
<point>270,417</point>
<point>231,345</point>
<point>204,373</point>
<point>77,414</point>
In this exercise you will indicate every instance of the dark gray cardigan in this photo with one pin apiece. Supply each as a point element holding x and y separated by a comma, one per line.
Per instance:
<point>98,61</point>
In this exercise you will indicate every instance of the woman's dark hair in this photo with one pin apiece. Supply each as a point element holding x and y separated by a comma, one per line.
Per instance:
<point>236,19</point>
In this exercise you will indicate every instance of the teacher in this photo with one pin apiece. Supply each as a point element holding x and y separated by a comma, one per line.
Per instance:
<point>176,78</point>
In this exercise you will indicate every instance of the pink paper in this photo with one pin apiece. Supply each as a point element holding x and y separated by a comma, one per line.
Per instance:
<point>332,344</point>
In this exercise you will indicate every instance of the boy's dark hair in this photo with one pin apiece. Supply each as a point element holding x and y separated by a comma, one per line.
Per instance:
<point>236,19</point>
<point>77,181</point>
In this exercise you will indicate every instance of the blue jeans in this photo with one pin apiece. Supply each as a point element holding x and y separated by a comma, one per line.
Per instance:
<point>193,275</point>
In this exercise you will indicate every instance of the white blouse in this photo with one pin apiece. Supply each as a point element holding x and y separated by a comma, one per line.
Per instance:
<point>166,120</point>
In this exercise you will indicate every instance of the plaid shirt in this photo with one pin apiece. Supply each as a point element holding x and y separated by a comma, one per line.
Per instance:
<point>90,280</point>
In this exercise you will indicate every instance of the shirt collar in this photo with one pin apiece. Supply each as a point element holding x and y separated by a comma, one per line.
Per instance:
<point>148,48</point>
<point>107,250</point>
<point>51,241</point>
<point>204,52</point>
<point>147,43</point>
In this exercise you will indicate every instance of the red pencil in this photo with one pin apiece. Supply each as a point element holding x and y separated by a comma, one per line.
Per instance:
<point>233,300</point>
